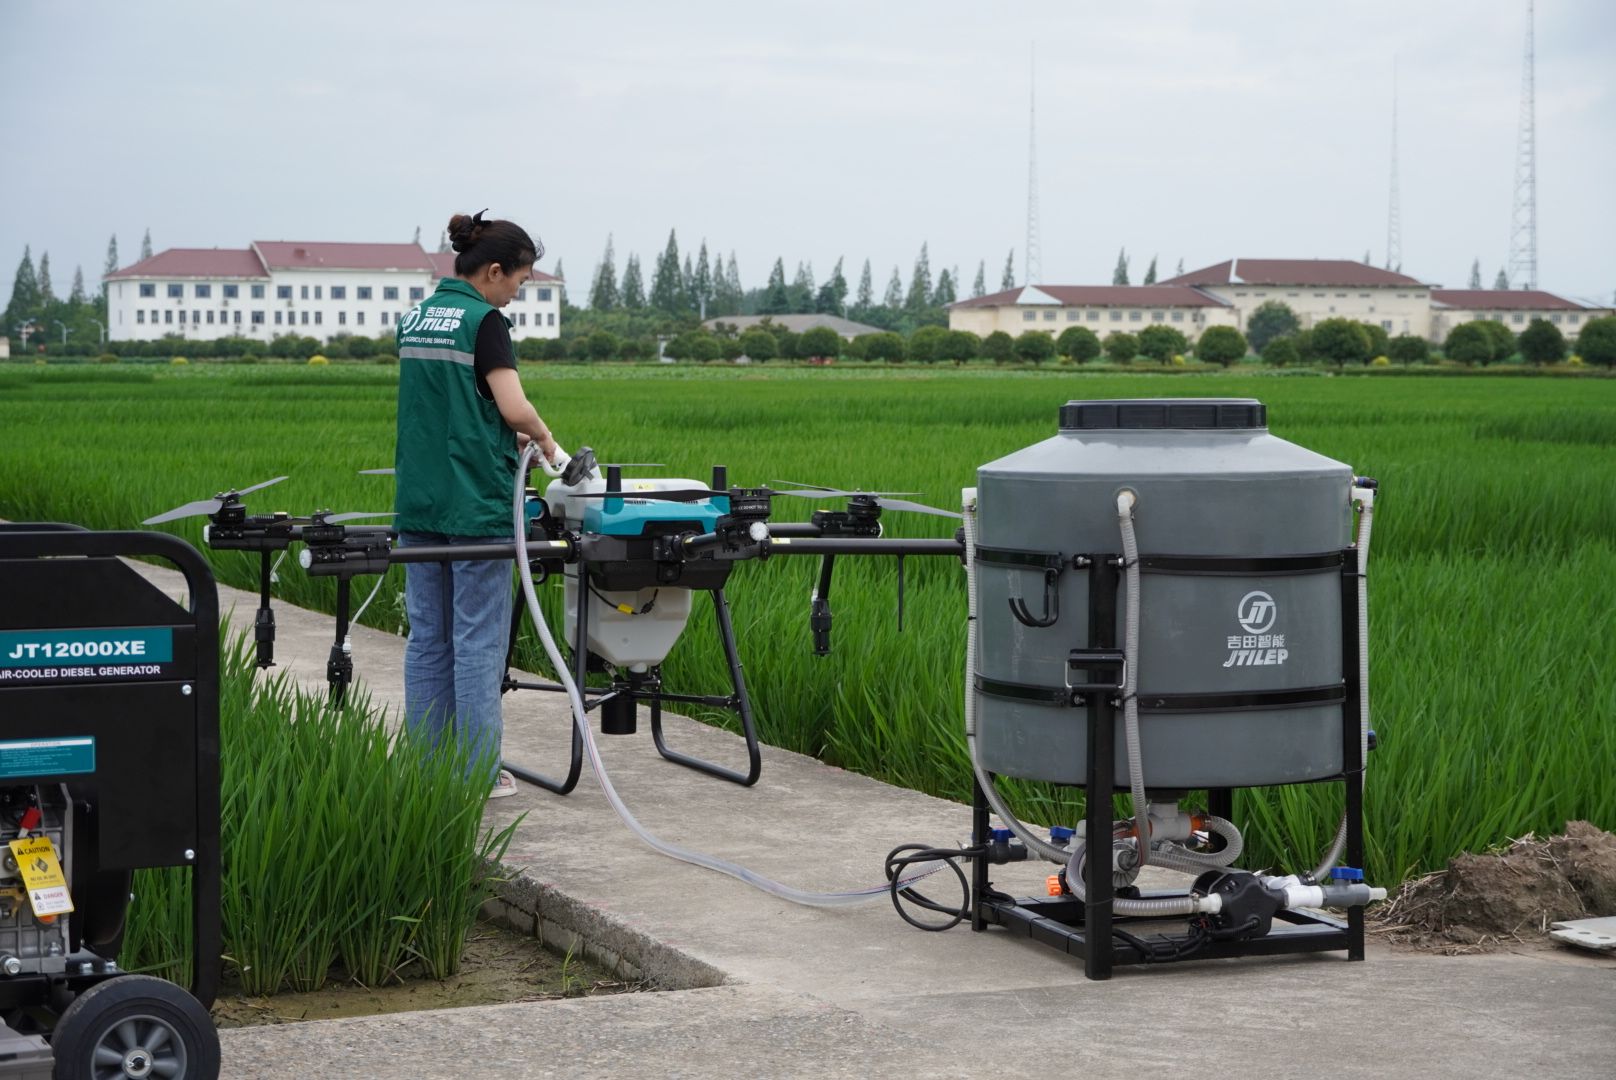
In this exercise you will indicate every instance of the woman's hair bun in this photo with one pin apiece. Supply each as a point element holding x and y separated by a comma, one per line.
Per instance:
<point>465,230</point>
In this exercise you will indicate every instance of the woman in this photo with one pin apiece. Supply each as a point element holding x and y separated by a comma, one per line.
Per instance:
<point>462,417</point>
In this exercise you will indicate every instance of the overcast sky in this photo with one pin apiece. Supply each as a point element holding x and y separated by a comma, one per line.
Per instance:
<point>1193,130</point>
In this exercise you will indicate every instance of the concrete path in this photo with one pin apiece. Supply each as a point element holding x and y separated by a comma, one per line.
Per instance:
<point>780,990</point>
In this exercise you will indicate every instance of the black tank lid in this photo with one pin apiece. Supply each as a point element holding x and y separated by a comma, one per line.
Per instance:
<point>1141,414</point>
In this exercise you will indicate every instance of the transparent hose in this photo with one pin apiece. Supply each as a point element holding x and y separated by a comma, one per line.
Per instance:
<point>1130,667</point>
<point>1365,498</point>
<point>580,719</point>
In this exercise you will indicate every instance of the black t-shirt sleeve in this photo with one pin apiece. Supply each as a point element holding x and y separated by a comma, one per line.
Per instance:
<point>494,350</point>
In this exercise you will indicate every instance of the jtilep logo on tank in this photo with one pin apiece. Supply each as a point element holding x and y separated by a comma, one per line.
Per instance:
<point>1257,647</point>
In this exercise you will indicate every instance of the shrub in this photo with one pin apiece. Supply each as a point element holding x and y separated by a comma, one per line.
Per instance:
<point>1121,347</point>
<point>924,343</point>
<point>361,347</point>
<point>1160,342</point>
<point>1178,360</point>
<point>602,345</point>
<point>530,349</point>
<point>1035,346</point>
<point>318,361</point>
<point>1281,352</point>
<point>1379,340</point>
<point>1341,342</point>
<point>1078,344</point>
<point>1468,344</point>
<point>883,347</point>
<point>1269,320</point>
<point>1381,361</point>
<point>554,349</point>
<point>703,348</point>
<point>820,343</point>
<point>175,360</point>
<point>1409,349</point>
<point>336,348</point>
<point>1597,342</point>
<point>1221,345</point>
<point>759,344</point>
<point>1542,343</point>
<point>106,358</point>
<point>959,346</point>
<point>386,359</point>
<point>999,347</point>
<point>1503,341</point>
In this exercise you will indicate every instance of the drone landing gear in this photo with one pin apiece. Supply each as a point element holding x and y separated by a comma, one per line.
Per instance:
<point>618,703</point>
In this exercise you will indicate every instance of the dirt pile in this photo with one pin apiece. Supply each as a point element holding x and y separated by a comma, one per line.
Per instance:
<point>1513,895</point>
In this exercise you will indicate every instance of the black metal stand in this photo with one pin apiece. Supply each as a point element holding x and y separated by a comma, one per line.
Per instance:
<point>1091,930</point>
<point>621,698</point>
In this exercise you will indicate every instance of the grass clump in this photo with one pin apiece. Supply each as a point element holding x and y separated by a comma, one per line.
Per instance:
<point>345,846</point>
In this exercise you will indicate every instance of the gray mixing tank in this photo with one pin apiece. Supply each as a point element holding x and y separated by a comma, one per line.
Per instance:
<point>1210,481</point>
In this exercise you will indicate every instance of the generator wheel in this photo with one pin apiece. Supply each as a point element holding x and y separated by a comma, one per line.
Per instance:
<point>135,1027</point>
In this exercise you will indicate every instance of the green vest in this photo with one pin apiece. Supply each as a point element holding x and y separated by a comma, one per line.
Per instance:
<point>456,459</point>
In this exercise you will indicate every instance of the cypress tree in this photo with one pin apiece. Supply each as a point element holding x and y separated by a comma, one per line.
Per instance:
<point>894,297</point>
<point>776,300</point>
<point>979,287</point>
<point>1119,276</point>
<point>920,287</point>
<point>632,294</point>
<point>1008,280</point>
<point>145,244</point>
<point>603,292</point>
<point>865,300</point>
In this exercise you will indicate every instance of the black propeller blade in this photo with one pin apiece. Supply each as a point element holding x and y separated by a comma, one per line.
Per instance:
<point>817,491</point>
<point>355,515</point>
<point>208,506</point>
<point>375,472</point>
<point>670,495</point>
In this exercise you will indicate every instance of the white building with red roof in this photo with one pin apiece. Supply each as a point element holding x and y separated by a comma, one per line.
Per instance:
<point>1226,294</point>
<point>312,289</point>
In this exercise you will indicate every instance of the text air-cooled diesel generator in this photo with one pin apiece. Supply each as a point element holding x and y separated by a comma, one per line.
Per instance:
<point>109,762</point>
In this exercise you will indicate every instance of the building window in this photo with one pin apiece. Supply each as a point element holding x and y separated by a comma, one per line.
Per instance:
<point>342,318</point>
<point>384,318</point>
<point>283,292</point>
<point>168,316</point>
<point>1240,294</point>
<point>154,316</point>
<point>1029,316</point>
<point>1293,294</point>
<point>147,289</point>
<point>362,292</point>
<point>521,295</point>
<point>317,292</point>
<point>1116,316</point>
<point>258,318</point>
<point>1386,325</point>
<point>1318,296</point>
<point>339,292</point>
<point>1556,318</point>
<point>210,316</point>
<point>550,319</point>
<point>317,314</point>
<point>1049,316</point>
<point>1094,316</point>
<point>1340,296</point>
<point>544,295</point>
<point>1573,319</point>
<point>256,291</point>
<point>1363,296</point>
<point>302,292</point>
<point>231,292</point>
<point>417,293</point>
<point>177,292</point>
<point>204,291</point>
<point>277,318</point>
<point>1402,296</point>
<point>389,292</point>
<point>1178,316</point>
<point>1136,316</point>
<point>140,315</point>
<point>359,318</point>
<point>1518,318</point>
<point>1158,316</point>
<point>305,315</point>
<point>1072,314</point>
<point>521,318</point>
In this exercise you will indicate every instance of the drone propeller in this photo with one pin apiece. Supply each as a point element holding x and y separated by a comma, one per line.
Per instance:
<point>816,491</point>
<point>208,506</point>
<point>669,495</point>
<point>333,519</point>
<point>375,472</point>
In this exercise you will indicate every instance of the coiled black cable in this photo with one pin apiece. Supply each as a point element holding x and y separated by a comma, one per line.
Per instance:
<point>900,858</point>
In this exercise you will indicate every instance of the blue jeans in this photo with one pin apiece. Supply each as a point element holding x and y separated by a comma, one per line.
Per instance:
<point>460,615</point>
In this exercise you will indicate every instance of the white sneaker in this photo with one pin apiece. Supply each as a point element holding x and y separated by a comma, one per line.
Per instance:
<point>504,785</point>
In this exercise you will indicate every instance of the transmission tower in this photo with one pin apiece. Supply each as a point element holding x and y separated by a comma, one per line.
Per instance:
<point>1523,226</point>
<point>1394,213</point>
<point>1034,270</point>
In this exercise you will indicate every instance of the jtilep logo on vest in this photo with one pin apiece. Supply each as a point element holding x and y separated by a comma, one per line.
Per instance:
<point>432,318</point>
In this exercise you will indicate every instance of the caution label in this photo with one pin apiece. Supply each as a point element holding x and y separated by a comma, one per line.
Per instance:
<point>42,875</point>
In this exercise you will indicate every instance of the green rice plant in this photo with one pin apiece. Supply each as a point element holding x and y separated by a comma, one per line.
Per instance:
<point>157,938</point>
<point>1491,572</point>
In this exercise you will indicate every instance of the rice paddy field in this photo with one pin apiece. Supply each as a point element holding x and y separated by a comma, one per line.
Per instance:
<point>1493,571</point>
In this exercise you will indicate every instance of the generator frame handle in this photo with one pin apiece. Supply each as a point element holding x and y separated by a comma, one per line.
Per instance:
<point>45,540</point>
